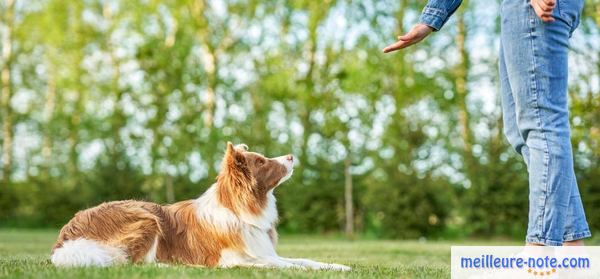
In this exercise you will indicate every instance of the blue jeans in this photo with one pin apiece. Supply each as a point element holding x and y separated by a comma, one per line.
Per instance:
<point>533,74</point>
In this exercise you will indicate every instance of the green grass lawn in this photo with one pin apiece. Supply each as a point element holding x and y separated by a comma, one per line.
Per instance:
<point>25,254</point>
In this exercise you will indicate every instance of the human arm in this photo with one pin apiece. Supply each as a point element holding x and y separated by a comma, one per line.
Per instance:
<point>435,14</point>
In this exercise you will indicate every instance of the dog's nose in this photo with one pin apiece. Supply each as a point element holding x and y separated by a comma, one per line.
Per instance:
<point>290,157</point>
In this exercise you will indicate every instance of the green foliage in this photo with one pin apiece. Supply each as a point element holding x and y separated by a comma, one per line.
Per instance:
<point>413,208</point>
<point>136,100</point>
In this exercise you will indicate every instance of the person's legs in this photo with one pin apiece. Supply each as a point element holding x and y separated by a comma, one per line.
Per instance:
<point>534,61</point>
<point>511,131</point>
<point>576,227</point>
<point>509,115</point>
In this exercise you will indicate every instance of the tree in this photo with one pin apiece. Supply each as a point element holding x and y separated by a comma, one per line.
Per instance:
<point>5,98</point>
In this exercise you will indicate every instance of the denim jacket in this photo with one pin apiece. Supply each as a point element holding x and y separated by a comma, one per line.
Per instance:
<point>437,12</point>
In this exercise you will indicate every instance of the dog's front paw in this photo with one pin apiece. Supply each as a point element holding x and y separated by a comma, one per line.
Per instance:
<point>338,267</point>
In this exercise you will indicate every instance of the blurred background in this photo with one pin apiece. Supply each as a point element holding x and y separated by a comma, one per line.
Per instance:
<point>107,100</point>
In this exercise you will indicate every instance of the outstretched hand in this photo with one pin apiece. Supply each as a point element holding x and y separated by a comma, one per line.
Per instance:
<point>415,35</point>
<point>543,9</point>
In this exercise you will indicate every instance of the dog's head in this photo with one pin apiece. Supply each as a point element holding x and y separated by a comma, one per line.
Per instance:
<point>247,177</point>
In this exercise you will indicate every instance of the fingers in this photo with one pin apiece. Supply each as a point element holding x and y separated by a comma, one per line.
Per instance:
<point>545,5</point>
<point>403,41</point>
<point>543,9</point>
<point>401,44</point>
<point>415,35</point>
<point>543,15</point>
<point>397,45</point>
<point>411,35</point>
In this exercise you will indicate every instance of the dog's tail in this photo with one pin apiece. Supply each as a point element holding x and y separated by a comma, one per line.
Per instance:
<point>85,252</point>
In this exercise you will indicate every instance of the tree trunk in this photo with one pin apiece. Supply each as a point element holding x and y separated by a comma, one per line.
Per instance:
<point>460,83</point>
<point>211,64</point>
<point>7,125</point>
<point>170,192</point>
<point>118,118</point>
<point>399,68</point>
<point>79,100</point>
<point>309,79</point>
<point>348,198</point>
<point>48,116</point>
<point>211,69</point>
<point>210,59</point>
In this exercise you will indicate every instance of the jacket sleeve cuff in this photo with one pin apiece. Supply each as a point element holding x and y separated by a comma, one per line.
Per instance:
<point>434,18</point>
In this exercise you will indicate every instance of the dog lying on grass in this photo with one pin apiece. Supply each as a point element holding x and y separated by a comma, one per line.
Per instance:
<point>231,224</point>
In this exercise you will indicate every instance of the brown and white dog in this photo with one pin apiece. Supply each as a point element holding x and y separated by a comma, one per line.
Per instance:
<point>231,224</point>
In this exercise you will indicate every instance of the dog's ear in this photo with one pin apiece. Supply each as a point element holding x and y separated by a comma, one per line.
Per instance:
<point>235,174</point>
<point>235,182</point>
<point>234,159</point>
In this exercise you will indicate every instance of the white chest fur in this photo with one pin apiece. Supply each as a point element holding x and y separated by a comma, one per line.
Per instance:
<point>210,210</point>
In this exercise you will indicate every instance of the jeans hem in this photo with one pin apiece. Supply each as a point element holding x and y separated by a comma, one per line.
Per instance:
<point>543,241</point>
<point>577,236</point>
<point>549,242</point>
